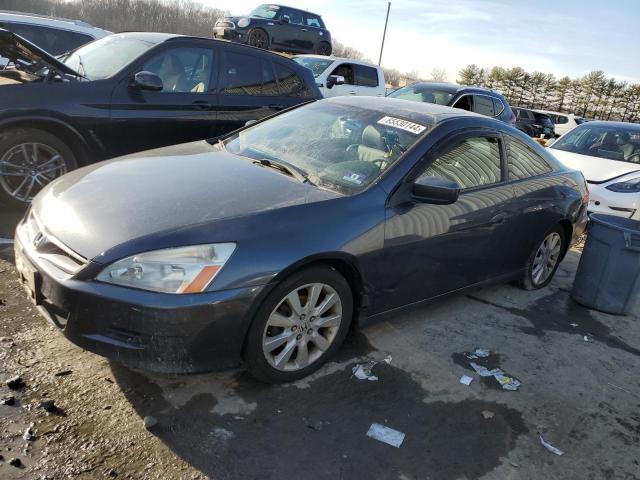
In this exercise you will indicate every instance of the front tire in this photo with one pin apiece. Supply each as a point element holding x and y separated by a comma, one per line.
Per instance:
<point>299,326</point>
<point>30,159</point>
<point>544,260</point>
<point>259,38</point>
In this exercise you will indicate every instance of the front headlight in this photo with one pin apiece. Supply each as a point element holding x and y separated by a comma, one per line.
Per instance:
<point>630,186</point>
<point>244,22</point>
<point>172,270</point>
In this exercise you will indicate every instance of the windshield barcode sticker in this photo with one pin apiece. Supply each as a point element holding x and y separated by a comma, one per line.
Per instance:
<point>414,128</point>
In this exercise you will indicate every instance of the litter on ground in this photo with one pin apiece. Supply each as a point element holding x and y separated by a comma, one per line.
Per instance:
<point>550,447</point>
<point>363,371</point>
<point>466,380</point>
<point>385,435</point>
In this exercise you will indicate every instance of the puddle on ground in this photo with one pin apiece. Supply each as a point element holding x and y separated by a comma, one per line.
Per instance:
<point>556,312</point>
<point>320,431</point>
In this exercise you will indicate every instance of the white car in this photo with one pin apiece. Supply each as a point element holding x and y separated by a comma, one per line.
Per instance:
<point>337,76</point>
<point>54,35</point>
<point>608,155</point>
<point>564,122</point>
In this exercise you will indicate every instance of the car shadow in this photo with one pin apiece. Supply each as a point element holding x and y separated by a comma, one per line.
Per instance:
<point>228,425</point>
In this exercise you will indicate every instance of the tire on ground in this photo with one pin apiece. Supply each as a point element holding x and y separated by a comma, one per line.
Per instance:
<point>527,282</point>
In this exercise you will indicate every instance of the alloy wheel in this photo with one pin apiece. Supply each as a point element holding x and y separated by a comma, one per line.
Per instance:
<point>546,258</point>
<point>27,167</point>
<point>258,39</point>
<point>302,327</point>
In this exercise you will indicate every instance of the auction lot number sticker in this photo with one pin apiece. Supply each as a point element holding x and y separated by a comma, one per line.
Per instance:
<point>405,125</point>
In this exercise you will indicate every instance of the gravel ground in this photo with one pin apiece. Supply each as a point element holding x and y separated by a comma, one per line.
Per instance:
<point>580,390</point>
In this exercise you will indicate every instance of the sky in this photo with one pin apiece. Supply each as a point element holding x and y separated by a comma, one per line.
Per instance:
<point>563,37</point>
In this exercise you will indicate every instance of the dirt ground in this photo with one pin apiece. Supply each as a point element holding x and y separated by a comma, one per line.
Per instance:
<point>578,369</point>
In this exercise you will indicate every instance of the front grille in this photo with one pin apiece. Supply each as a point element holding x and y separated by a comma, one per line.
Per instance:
<point>225,24</point>
<point>44,246</point>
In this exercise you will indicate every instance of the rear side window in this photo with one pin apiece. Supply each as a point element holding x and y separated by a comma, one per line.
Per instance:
<point>560,119</point>
<point>366,76</point>
<point>290,84</point>
<point>524,162</point>
<point>242,74</point>
<point>498,106</point>
<point>313,21</point>
<point>475,162</point>
<point>53,40</point>
<point>483,105</point>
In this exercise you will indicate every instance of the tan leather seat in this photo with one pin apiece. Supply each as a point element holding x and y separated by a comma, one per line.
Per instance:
<point>372,146</point>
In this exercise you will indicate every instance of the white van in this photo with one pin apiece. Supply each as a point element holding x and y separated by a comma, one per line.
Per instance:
<point>337,76</point>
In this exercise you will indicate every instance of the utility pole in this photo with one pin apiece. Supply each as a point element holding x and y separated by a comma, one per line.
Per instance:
<point>384,34</point>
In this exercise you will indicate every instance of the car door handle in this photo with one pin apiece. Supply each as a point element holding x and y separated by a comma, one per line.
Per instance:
<point>498,219</point>
<point>352,93</point>
<point>201,105</point>
<point>303,29</point>
<point>276,106</point>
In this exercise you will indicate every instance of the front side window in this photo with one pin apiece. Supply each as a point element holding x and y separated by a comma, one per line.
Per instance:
<point>474,162</point>
<point>561,119</point>
<point>345,70</point>
<point>423,93</point>
<point>294,17</point>
<point>498,106</point>
<point>107,56</point>
<point>316,65</point>
<point>183,69</point>
<point>340,147</point>
<point>483,105</point>
<point>53,40</point>
<point>366,76</point>
<point>525,163</point>
<point>607,142</point>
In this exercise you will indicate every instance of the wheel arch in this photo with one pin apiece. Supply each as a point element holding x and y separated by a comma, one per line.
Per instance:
<point>67,133</point>
<point>567,227</point>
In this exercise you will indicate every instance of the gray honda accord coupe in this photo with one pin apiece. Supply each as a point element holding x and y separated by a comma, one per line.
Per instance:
<point>266,246</point>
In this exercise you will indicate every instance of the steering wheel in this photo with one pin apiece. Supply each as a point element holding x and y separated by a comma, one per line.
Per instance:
<point>381,163</point>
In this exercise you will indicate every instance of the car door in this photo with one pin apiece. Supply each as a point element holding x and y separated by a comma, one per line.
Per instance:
<point>434,249</point>
<point>312,32</point>
<point>184,110</point>
<point>287,33</point>
<point>366,81</point>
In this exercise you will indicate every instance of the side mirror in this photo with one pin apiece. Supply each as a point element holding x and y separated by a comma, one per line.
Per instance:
<point>250,122</point>
<point>334,80</point>
<point>147,81</point>
<point>438,191</point>
<point>284,20</point>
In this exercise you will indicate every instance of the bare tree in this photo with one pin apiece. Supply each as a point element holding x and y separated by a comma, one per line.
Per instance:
<point>438,75</point>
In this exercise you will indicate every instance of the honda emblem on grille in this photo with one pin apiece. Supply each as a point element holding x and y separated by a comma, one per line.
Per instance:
<point>39,239</point>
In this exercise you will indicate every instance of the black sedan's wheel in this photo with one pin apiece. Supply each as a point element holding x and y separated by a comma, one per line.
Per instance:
<point>324,48</point>
<point>544,260</point>
<point>299,326</point>
<point>259,38</point>
<point>29,159</point>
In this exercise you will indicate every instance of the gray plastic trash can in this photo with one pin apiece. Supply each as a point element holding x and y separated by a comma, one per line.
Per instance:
<point>609,270</point>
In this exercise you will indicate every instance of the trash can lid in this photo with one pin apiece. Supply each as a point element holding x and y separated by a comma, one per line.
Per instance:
<point>617,223</point>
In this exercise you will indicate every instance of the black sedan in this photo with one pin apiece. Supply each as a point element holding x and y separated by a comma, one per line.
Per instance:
<point>126,93</point>
<point>267,246</point>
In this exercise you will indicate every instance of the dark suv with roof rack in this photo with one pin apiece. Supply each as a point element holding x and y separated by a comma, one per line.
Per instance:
<point>474,99</point>
<point>276,27</point>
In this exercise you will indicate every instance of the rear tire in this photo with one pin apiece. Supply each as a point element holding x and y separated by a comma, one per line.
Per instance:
<point>544,259</point>
<point>29,159</point>
<point>324,48</point>
<point>294,332</point>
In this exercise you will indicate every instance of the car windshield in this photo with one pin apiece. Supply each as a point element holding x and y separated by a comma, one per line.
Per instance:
<point>609,142</point>
<point>316,65</point>
<point>107,56</point>
<point>265,11</point>
<point>423,93</point>
<point>340,147</point>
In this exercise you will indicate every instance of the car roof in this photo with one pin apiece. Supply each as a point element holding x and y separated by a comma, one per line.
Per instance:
<point>56,22</point>
<point>426,113</point>
<point>555,113</point>
<point>454,87</point>
<point>340,59</point>
<point>292,8</point>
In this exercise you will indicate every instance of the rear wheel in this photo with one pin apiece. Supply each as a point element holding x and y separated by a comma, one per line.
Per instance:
<point>324,48</point>
<point>544,260</point>
<point>29,159</point>
<point>259,38</point>
<point>299,326</point>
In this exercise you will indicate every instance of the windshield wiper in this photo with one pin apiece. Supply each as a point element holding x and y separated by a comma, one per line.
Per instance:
<point>289,169</point>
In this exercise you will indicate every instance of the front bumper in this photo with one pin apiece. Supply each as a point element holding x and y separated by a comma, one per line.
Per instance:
<point>147,330</point>
<point>232,34</point>
<point>607,202</point>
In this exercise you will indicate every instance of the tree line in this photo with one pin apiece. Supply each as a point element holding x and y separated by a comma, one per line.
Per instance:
<point>593,95</point>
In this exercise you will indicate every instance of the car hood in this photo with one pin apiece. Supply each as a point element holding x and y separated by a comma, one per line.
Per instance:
<point>97,208</point>
<point>595,169</point>
<point>22,52</point>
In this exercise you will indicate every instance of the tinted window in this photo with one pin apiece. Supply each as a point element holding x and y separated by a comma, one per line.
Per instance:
<point>346,70</point>
<point>464,103</point>
<point>498,106</point>
<point>483,105</point>
<point>290,84</point>
<point>560,119</point>
<point>472,163</point>
<point>293,16</point>
<point>269,83</point>
<point>422,93</point>
<point>313,21</point>
<point>182,69</point>
<point>53,40</point>
<point>366,76</point>
<point>242,74</point>
<point>524,163</point>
